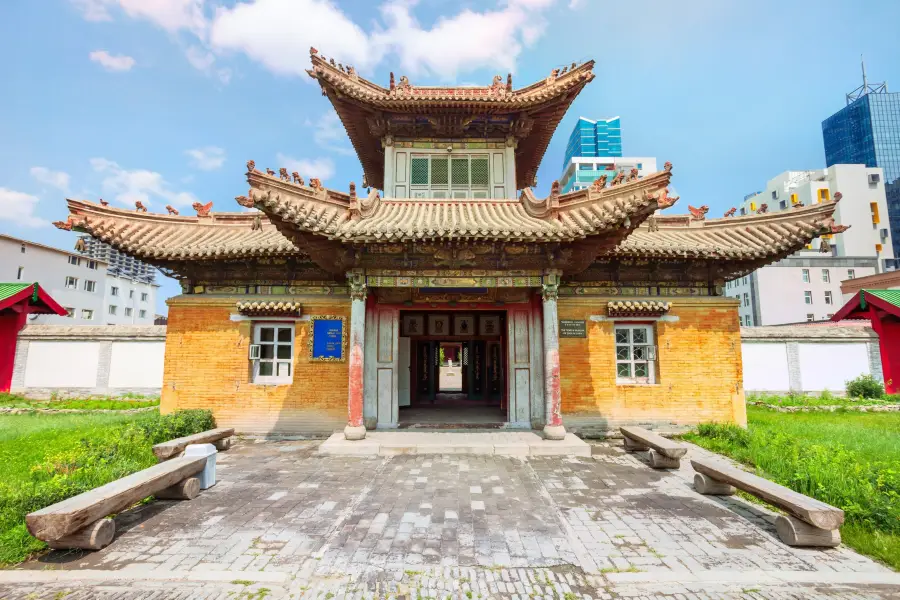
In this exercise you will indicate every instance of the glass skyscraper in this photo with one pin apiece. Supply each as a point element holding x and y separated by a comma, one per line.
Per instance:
<point>867,131</point>
<point>602,137</point>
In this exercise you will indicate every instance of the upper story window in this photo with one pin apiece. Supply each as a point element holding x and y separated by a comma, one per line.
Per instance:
<point>805,273</point>
<point>826,276</point>
<point>92,264</point>
<point>90,286</point>
<point>128,311</point>
<point>457,176</point>
<point>87,314</point>
<point>272,353</point>
<point>22,248</point>
<point>74,260</point>
<point>130,294</point>
<point>824,195</point>
<point>807,297</point>
<point>746,299</point>
<point>70,312</point>
<point>142,313</point>
<point>144,296</point>
<point>20,273</point>
<point>851,273</point>
<point>828,297</point>
<point>112,309</point>
<point>71,283</point>
<point>113,291</point>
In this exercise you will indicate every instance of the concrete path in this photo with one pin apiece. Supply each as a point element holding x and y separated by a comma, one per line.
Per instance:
<point>287,522</point>
<point>501,443</point>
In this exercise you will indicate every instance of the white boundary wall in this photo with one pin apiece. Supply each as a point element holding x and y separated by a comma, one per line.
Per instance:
<point>86,361</point>
<point>116,359</point>
<point>808,358</point>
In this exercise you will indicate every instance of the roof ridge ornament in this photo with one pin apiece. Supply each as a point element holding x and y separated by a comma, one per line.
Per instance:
<point>202,209</point>
<point>139,206</point>
<point>730,212</point>
<point>171,210</point>
<point>698,214</point>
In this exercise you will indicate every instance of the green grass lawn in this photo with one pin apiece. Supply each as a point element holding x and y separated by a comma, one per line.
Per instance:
<point>824,399</point>
<point>110,403</point>
<point>848,459</point>
<point>46,458</point>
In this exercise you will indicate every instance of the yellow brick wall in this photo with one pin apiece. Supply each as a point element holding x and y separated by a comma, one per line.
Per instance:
<point>699,376</point>
<point>207,366</point>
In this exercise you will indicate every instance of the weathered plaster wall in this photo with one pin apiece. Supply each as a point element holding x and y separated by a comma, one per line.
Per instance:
<point>699,376</point>
<point>207,366</point>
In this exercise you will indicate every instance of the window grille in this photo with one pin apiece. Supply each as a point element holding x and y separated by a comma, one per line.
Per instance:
<point>419,171</point>
<point>438,171</point>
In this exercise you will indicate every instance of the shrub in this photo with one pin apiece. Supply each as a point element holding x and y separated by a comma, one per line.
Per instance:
<point>865,386</point>
<point>725,432</point>
<point>177,424</point>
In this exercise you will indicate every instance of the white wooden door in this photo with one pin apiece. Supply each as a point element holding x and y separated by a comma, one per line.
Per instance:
<point>404,373</point>
<point>384,376</point>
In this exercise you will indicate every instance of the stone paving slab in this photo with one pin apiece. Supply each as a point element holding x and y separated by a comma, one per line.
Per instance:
<point>501,443</point>
<point>287,522</point>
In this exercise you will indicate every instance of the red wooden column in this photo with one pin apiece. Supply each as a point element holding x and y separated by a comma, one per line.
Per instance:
<point>355,430</point>
<point>554,429</point>
<point>11,322</point>
<point>887,327</point>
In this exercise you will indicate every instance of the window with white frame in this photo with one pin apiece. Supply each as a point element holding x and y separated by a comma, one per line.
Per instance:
<point>826,276</point>
<point>127,311</point>
<point>113,291</point>
<point>71,283</point>
<point>635,354</point>
<point>87,314</point>
<point>70,312</point>
<point>90,286</point>
<point>744,280</point>
<point>73,260</point>
<point>810,317</point>
<point>272,353</point>
<point>455,176</point>
<point>805,273</point>
<point>851,273</point>
<point>807,297</point>
<point>130,294</point>
<point>142,313</point>
<point>746,299</point>
<point>112,309</point>
<point>828,297</point>
<point>144,296</point>
<point>92,264</point>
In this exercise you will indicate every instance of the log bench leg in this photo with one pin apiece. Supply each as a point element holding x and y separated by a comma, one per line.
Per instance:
<point>710,487</point>
<point>659,461</point>
<point>95,536</point>
<point>795,532</point>
<point>186,489</point>
<point>223,444</point>
<point>632,446</point>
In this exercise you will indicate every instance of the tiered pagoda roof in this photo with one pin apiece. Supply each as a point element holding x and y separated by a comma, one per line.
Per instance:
<point>369,112</point>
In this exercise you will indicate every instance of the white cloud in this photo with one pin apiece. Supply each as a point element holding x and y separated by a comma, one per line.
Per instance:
<point>203,60</point>
<point>321,168</point>
<point>57,179</point>
<point>279,33</point>
<point>576,4</point>
<point>129,186</point>
<point>18,208</point>
<point>329,134</point>
<point>110,62</point>
<point>171,15</point>
<point>209,158</point>
<point>93,10</point>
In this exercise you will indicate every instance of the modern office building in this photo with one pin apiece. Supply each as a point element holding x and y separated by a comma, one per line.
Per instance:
<point>88,288</point>
<point>599,138</point>
<point>806,286</point>
<point>594,150</point>
<point>867,131</point>
<point>119,263</point>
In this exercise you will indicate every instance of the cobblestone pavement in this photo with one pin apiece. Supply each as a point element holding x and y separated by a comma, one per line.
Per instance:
<point>285,522</point>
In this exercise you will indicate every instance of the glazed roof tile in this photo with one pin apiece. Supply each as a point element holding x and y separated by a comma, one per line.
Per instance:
<point>611,211</point>
<point>532,112</point>
<point>155,237</point>
<point>751,237</point>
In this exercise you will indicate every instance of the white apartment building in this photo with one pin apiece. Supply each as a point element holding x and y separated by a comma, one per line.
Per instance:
<point>82,285</point>
<point>583,170</point>
<point>807,285</point>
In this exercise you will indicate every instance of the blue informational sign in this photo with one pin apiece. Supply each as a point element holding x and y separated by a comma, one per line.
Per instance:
<point>328,338</point>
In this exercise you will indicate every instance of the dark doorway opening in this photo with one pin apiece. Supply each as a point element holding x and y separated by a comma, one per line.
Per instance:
<point>457,380</point>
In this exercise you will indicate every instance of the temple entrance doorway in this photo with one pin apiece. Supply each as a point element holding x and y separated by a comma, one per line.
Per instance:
<point>456,369</point>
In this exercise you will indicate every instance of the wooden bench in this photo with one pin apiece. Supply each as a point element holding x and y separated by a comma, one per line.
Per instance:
<point>664,453</point>
<point>220,437</point>
<point>809,522</point>
<point>80,521</point>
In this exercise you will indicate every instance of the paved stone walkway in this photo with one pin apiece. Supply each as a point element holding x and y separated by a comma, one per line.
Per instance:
<point>287,522</point>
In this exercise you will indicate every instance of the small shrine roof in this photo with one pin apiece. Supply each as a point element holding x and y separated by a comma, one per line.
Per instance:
<point>767,237</point>
<point>608,211</point>
<point>369,112</point>
<point>156,237</point>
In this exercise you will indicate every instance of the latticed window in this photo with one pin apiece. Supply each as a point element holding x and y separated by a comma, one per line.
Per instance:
<point>635,354</point>
<point>436,176</point>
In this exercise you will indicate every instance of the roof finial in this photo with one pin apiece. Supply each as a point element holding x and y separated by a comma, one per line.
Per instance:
<point>509,82</point>
<point>392,84</point>
<point>313,51</point>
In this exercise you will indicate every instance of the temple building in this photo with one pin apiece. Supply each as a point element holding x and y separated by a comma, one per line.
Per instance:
<point>442,291</point>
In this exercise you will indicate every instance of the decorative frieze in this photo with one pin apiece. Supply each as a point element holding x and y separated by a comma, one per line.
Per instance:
<point>259,308</point>
<point>636,308</point>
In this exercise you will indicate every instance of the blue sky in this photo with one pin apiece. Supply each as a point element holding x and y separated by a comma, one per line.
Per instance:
<point>165,100</point>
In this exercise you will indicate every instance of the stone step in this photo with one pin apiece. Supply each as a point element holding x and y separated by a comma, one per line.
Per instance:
<point>511,443</point>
